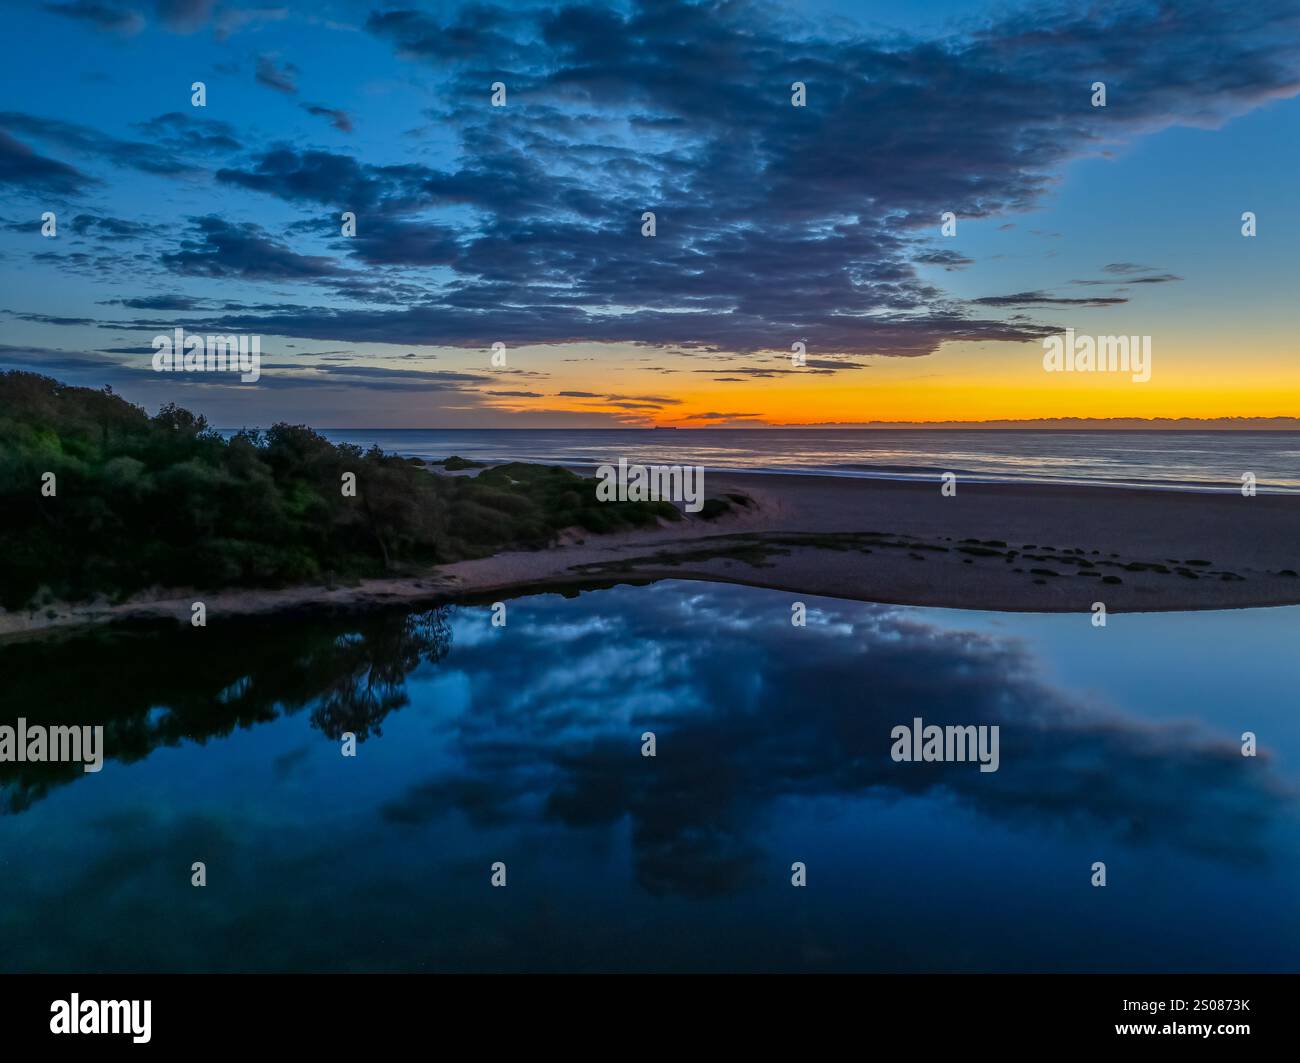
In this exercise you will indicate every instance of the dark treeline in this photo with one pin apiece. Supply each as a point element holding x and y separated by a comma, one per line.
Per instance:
<point>142,501</point>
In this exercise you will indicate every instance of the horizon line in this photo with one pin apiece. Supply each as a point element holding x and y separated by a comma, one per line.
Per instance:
<point>1184,424</point>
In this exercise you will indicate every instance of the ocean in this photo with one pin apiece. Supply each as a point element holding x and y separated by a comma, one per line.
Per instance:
<point>1195,461</point>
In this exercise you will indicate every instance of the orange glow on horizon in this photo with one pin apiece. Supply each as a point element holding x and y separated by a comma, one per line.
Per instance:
<point>961,382</point>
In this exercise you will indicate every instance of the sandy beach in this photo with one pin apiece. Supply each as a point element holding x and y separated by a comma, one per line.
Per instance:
<point>1004,547</point>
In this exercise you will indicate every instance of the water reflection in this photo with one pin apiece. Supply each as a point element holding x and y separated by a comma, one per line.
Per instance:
<point>157,687</point>
<point>748,711</point>
<point>525,740</point>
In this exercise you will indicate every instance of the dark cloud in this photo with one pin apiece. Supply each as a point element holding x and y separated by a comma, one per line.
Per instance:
<point>50,360</point>
<point>1154,278</point>
<point>107,17</point>
<point>381,291</point>
<point>184,16</point>
<point>947,259</point>
<point>1127,273</point>
<point>475,30</point>
<point>381,240</point>
<point>338,119</point>
<point>438,376</point>
<point>654,400</point>
<point>161,302</point>
<point>115,228</point>
<point>52,319</point>
<point>190,133</point>
<point>279,78</point>
<point>834,365</point>
<point>751,371</point>
<point>772,221</point>
<point>315,177</point>
<point>1046,299</point>
<point>22,168</point>
<point>74,137</point>
<point>218,248</point>
<point>478,320</point>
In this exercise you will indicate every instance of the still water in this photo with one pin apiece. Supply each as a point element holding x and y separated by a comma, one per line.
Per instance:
<point>522,744</point>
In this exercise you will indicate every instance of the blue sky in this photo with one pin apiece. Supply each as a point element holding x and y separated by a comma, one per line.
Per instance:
<point>520,224</point>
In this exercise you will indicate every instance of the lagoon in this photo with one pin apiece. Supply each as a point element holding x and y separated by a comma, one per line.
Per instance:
<point>522,744</point>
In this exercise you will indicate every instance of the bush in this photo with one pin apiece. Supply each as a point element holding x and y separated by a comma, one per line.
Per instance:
<point>164,500</point>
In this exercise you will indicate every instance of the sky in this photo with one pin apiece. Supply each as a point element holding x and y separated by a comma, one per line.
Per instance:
<point>774,224</point>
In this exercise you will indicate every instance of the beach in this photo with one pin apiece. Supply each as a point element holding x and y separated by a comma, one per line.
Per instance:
<point>993,546</point>
<point>1004,547</point>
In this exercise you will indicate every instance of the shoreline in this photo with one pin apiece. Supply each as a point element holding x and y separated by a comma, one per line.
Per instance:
<point>999,547</point>
<point>929,475</point>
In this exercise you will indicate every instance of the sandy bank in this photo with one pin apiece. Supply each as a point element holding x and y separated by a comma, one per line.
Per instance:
<point>1030,547</point>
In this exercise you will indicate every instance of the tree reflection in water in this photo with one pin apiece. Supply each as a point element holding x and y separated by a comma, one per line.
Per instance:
<point>151,687</point>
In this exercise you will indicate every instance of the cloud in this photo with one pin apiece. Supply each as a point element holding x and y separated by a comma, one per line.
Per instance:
<point>107,17</point>
<point>656,400</point>
<point>1046,299</point>
<point>381,240</point>
<point>1158,278</point>
<point>773,222</point>
<point>338,119</point>
<point>312,176</point>
<point>184,16</point>
<point>949,260</point>
<point>51,319</point>
<point>218,248</point>
<point>190,133</point>
<point>131,154</point>
<point>22,168</point>
<point>111,228</point>
<point>161,302</point>
<point>49,360</point>
<point>1154,278</point>
<point>473,31</point>
<point>230,20</point>
<point>279,78</point>
<point>1126,273</point>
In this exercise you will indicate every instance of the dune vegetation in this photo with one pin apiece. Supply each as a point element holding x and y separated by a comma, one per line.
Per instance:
<point>99,497</point>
